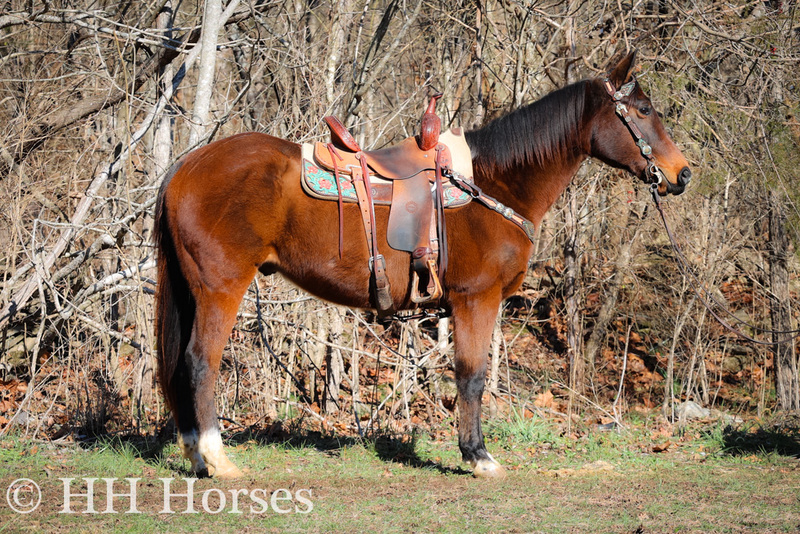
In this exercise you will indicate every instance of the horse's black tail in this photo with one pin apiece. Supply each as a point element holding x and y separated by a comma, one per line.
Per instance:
<point>175,309</point>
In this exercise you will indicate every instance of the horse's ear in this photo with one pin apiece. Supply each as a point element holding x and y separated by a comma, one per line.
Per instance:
<point>622,72</point>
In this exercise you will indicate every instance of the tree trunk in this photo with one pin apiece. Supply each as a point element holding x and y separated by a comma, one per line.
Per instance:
<point>787,386</point>
<point>341,15</point>
<point>572,265</point>
<point>478,62</point>
<point>144,379</point>
<point>572,295</point>
<point>205,78</point>
<point>494,369</point>
<point>335,363</point>
<point>162,137</point>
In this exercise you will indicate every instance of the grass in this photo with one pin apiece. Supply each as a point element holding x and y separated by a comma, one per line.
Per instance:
<point>711,479</point>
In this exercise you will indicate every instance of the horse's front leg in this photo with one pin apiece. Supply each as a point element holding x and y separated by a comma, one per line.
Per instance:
<point>473,322</point>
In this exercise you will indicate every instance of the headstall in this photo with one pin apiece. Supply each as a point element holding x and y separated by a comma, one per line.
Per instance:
<point>653,172</point>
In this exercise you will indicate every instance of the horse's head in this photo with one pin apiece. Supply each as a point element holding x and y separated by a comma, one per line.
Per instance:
<point>627,132</point>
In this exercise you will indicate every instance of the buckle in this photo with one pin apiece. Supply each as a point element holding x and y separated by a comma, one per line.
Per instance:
<point>530,230</point>
<point>373,259</point>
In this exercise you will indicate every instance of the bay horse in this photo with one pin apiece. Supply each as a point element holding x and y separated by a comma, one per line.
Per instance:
<point>235,207</point>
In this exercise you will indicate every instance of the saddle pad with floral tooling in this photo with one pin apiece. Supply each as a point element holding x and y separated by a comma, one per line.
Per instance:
<point>320,183</point>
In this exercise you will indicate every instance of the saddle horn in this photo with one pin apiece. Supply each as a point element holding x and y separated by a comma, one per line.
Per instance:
<point>430,126</point>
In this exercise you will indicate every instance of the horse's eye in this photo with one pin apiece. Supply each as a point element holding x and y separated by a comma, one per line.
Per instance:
<point>645,110</point>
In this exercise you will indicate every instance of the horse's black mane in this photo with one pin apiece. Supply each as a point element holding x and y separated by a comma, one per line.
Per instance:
<point>538,133</point>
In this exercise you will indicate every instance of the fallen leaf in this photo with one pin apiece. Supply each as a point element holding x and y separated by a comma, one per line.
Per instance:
<point>662,447</point>
<point>544,400</point>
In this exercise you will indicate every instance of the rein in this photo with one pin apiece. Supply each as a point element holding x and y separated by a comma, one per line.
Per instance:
<point>656,177</point>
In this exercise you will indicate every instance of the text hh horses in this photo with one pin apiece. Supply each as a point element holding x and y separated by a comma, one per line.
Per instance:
<point>236,207</point>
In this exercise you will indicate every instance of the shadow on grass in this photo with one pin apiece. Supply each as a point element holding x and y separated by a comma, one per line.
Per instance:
<point>784,441</point>
<point>389,448</point>
<point>392,449</point>
<point>152,449</point>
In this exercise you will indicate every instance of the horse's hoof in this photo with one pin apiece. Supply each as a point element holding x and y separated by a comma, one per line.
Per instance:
<point>488,468</point>
<point>228,472</point>
<point>201,472</point>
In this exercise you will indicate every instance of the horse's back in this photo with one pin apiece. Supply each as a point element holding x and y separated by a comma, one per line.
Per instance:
<point>227,159</point>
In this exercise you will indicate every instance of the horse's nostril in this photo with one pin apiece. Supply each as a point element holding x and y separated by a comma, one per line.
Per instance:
<point>685,176</point>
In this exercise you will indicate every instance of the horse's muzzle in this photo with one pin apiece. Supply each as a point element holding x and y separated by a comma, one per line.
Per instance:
<point>683,179</point>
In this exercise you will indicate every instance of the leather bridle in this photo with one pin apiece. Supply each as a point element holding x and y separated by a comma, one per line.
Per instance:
<point>652,171</point>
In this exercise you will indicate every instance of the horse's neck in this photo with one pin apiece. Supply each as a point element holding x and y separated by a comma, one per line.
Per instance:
<point>549,185</point>
<point>531,191</point>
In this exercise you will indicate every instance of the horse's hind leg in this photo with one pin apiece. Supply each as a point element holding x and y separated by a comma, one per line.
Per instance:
<point>473,322</point>
<point>199,434</point>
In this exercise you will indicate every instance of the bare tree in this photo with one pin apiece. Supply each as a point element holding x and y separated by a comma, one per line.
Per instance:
<point>787,380</point>
<point>98,102</point>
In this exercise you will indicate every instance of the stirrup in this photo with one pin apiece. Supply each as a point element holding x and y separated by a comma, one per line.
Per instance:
<point>434,289</point>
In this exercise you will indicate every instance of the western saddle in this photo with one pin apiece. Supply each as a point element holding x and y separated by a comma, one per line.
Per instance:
<point>416,169</point>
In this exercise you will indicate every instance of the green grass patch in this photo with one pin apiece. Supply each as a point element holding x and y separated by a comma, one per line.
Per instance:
<point>597,482</point>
